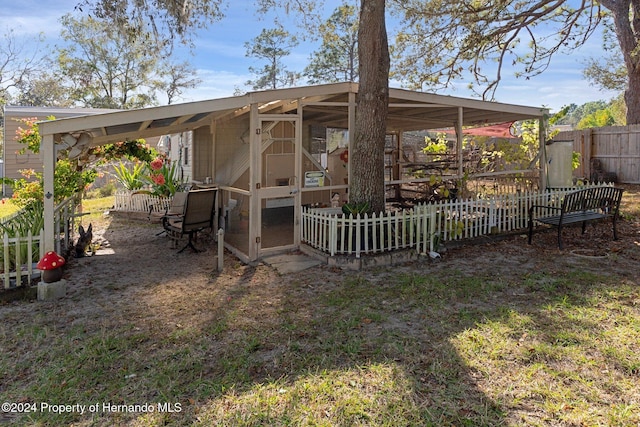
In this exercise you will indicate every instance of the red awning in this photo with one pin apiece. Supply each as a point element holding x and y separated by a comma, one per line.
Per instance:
<point>502,130</point>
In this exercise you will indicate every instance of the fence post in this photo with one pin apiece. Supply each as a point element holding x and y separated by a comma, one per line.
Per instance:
<point>5,245</point>
<point>433,219</point>
<point>303,225</point>
<point>333,234</point>
<point>29,260</point>
<point>220,249</point>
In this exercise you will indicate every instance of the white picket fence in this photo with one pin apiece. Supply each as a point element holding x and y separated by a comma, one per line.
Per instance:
<point>424,226</point>
<point>18,260</point>
<point>64,216</point>
<point>132,201</point>
<point>18,251</point>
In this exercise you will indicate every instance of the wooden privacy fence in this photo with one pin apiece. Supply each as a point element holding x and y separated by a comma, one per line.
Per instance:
<point>423,227</point>
<point>615,148</point>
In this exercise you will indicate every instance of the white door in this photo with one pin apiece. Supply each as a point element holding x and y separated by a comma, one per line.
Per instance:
<point>279,183</point>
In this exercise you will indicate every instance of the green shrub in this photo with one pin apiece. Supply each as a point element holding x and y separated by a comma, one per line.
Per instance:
<point>107,190</point>
<point>31,218</point>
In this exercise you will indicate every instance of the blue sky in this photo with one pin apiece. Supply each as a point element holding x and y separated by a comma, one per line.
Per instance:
<point>219,56</point>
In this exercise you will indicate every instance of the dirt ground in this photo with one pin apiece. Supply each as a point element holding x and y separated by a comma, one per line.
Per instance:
<point>135,264</point>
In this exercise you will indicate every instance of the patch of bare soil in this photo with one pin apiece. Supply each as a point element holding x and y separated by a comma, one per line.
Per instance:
<point>136,276</point>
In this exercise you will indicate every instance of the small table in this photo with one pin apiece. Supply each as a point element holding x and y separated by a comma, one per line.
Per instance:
<point>204,186</point>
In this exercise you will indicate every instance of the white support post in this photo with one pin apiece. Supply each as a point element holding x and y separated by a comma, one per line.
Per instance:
<point>459,138</point>
<point>220,249</point>
<point>299,174</point>
<point>212,165</point>
<point>47,150</point>
<point>255,168</point>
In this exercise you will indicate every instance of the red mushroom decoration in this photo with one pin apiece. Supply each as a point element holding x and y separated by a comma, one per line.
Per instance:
<point>51,267</point>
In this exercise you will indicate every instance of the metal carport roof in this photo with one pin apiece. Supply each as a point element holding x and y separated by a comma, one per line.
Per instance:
<point>327,104</point>
<point>323,104</point>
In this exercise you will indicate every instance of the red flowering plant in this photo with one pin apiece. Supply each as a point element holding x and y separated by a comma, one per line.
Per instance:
<point>164,177</point>
<point>132,149</point>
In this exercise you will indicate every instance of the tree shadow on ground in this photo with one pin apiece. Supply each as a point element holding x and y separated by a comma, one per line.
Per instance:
<point>323,347</point>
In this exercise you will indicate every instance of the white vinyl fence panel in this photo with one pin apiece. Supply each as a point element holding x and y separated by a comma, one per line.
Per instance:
<point>20,253</point>
<point>18,263</point>
<point>132,201</point>
<point>424,226</point>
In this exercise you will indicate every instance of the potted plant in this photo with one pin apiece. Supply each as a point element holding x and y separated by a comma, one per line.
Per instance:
<point>356,209</point>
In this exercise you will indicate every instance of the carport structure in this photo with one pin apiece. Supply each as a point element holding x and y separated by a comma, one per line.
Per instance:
<point>270,152</point>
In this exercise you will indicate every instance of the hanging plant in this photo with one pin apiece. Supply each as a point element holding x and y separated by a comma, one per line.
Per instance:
<point>136,149</point>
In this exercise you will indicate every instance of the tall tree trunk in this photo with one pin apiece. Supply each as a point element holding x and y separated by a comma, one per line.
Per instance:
<point>627,26</point>
<point>632,96</point>
<point>367,153</point>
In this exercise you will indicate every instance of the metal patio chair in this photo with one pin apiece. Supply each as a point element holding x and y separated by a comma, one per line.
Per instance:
<point>197,214</point>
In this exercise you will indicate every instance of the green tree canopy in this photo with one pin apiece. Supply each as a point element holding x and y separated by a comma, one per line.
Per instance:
<point>271,46</point>
<point>337,58</point>
<point>106,67</point>
<point>593,114</point>
<point>597,119</point>
<point>43,90</point>
<point>445,41</point>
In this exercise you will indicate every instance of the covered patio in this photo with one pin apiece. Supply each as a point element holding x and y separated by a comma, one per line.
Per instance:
<point>271,153</point>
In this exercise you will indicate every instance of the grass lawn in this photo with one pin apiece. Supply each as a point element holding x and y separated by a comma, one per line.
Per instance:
<point>7,208</point>
<point>502,334</point>
<point>404,350</point>
<point>96,206</point>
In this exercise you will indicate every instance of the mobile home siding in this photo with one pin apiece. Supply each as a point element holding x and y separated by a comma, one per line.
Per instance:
<point>14,162</point>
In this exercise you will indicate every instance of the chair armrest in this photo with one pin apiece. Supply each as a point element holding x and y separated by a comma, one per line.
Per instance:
<point>165,219</point>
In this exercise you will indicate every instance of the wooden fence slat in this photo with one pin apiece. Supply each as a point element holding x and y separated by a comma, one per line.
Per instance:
<point>63,223</point>
<point>24,266</point>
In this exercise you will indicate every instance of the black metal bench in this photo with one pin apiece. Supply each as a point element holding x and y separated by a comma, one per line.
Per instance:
<point>580,206</point>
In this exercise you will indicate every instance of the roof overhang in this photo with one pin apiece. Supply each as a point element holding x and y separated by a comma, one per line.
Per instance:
<point>322,104</point>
